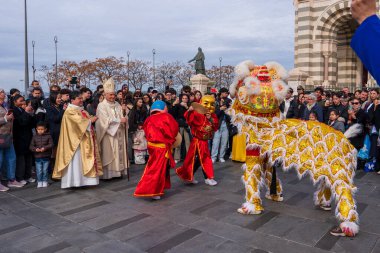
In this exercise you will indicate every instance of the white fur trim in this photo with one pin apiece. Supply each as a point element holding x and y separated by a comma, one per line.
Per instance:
<point>280,88</point>
<point>353,131</point>
<point>233,87</point>
<point>243,69</point>
<point>353,227</point>
<point>249,206</point>
<point>281,71</point>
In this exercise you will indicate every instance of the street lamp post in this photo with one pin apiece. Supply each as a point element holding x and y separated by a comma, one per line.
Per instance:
<point>128,54</point>
<point>154,68</point>
<point>56,59</point>
<point>33,67</point>
<point>220,71</point>
<point>26,52</point>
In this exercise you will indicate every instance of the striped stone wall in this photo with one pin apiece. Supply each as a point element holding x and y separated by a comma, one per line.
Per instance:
<point>323,31</point>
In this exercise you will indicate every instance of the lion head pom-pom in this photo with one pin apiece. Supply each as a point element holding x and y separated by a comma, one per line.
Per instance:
<point>253,85</point>
<point>280,89</point>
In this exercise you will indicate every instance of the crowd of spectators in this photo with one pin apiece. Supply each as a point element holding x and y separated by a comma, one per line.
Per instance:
<point>21,116</point>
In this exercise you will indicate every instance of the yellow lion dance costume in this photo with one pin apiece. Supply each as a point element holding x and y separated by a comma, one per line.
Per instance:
<point>311,148</point>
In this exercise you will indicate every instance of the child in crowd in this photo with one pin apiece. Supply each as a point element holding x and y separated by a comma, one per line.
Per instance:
<point>313,116</point>
<point>41,146</point>
<point>334,122</point>
<point>139,145</point>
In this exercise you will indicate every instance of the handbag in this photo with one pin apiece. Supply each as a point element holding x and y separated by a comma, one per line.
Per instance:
<point>233,130</point>
<point>364,151</point>
<point>5,140</point>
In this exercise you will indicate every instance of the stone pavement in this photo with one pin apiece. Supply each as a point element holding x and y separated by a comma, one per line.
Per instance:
<point>199,218</point>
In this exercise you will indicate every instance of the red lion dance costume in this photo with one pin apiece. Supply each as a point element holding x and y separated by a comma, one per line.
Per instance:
<point>161,130</point>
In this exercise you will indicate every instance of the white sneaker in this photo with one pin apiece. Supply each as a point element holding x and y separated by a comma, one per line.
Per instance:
<point>31,180</point>
<point>213,160</point>
<point>39,184</point>
<point>156,197</point>
<point>45,184</point>
<point>222,160</point>
<point>3,188</point>
<point>23,182</point>
<point>211,182</point>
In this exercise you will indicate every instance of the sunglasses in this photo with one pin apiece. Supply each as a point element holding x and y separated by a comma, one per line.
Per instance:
<point>355,103</point>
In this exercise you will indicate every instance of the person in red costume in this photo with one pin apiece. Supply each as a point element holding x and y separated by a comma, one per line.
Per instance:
<point>161,130</point>
<point>202,125</point>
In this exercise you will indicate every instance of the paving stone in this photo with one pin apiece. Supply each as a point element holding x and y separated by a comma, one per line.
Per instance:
<point>83,208</point>
<point>176,216</point>
<point>71,249</point>
<point>122,223</point>
<point>39,217</point>
<point>42,243</point>
<point>11,203</point>
<point>238,219</point>
<point>8,219</point>
<point>156,236</point>
<point>229,246</point>
<point>75,234</point>
<point>377,247</point>
<point>308,232</point>
<point>67,203</point>
<point>280,225</point>
<point>13,228</point>
<point>200,243</point>
<point>136,228</point>
<point>109,218</point>
<point>8,249</point>
<point>369,220</point>
<point>20,236</point>
<point>92,213</point>
<point>112,246</point>
<point>251,238</point>
<point>54,247</point>
<point>363,243</point>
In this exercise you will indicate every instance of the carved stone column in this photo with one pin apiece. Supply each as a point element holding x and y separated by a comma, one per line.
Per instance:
<point>326,56</point>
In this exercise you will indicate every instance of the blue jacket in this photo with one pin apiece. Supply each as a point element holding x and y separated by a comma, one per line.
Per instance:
<point>317,110</point>
<point>366,44</point>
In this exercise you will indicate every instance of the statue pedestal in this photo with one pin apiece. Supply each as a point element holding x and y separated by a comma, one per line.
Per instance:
<point>201,82</point>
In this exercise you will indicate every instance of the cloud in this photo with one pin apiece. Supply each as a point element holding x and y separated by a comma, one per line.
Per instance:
<point>88,29</point>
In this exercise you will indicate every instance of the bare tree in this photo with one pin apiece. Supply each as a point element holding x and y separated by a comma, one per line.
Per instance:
<point>139,73</point>
<point>223,76</point>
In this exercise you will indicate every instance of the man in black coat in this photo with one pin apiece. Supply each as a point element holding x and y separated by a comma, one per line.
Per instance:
<point>288,107</point>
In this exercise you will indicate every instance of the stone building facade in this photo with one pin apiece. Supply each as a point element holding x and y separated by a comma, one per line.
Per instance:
<point>323,31</point>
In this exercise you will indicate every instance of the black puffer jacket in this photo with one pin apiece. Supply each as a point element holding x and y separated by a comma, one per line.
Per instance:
<point>41,141</point>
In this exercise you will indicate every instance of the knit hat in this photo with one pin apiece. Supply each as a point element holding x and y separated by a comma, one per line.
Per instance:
<point>158,106</point>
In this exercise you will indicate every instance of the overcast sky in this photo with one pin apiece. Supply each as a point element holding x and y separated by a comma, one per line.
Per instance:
<point>235,30</point>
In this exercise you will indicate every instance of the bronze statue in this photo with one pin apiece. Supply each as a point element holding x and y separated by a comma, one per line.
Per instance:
<point>199,62</point>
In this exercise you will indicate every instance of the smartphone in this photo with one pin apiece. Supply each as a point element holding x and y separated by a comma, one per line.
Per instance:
<point>10,111</point>
<point>74,80</point>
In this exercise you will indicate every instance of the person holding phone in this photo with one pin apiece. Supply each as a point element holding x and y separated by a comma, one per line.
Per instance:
<point>7,151</point>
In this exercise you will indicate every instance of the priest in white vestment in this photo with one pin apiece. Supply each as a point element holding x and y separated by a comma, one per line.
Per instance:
<point>111,129</point>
